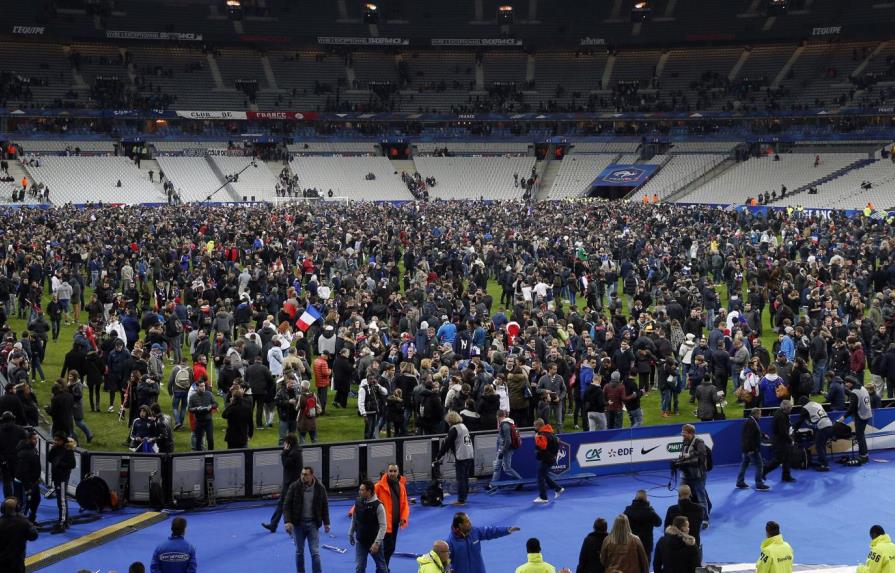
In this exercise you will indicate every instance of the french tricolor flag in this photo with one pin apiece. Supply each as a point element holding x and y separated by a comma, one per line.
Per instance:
<point>307,318</point>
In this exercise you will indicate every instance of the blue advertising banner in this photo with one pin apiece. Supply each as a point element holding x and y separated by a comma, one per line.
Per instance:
<point>652,448</point>
<point>624,175</point>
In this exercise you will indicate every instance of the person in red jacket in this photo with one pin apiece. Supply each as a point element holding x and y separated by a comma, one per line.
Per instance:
<point>322,375</point>
<point>200,370</point>
<point>391,491</point>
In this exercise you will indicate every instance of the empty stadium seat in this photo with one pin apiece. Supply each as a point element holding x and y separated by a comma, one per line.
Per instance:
<point>576,174</point>
<point>193,178</point>
<point>82,179</point>
<point>346,176</point>
<point>760,175</point>
<point>475,177</point>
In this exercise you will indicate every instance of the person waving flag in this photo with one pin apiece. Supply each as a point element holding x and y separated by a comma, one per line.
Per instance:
<point>307,318</point>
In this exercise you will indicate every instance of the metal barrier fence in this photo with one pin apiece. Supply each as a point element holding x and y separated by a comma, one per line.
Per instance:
<point>257,472</point>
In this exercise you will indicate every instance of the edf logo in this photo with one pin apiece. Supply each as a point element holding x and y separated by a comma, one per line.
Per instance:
<point>563,458</point>
<point>627,175</point>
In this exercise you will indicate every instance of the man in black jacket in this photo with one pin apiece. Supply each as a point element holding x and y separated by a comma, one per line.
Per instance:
<point>643,519</point>
<point>782,442</point>
<point>589,557</point>
<point>238,414</point>
<point>15,533</point>
<point>10,436</point>
<point>688,508</point>
<point>291,459</point>
<point>27,483</point>
<point>61,410</point>
<point>62,461</point>
<point>305,509</point>
<point>692,463</point>
<point>10,402</point>
<point>750,442</point>
<point>677,551</point>
<point>260,380</point>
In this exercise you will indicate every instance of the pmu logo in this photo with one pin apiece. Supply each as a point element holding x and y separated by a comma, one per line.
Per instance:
<point>627,175</point>
<point>593,455</point>
<point>674,447</point>
<point>563,458</point>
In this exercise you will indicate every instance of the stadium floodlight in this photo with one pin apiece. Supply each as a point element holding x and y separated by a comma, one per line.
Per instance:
<point>371,13</point>
<point>234,9</point>
<point>504,14</point>
<point>777,7</point>
<point>641,12</point>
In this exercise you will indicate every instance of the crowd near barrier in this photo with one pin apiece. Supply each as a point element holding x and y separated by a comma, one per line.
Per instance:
<point>191,477</point>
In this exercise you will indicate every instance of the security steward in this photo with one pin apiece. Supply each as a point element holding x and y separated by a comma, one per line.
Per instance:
<point>776,555</point>
<point>881,558</point>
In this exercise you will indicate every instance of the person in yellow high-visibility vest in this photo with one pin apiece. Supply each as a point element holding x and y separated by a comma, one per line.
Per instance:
<point>881,558</point>
<point>776,555</point>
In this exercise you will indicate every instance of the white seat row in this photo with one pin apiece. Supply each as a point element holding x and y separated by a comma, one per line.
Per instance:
<point>475,177</point>
<point>761,175</point>
<point>256,181</point>
<point>678,172</point>
<point>576,174</point>
<point>346,176</point>
<point>192,177</point>
<point>845,192</point>
<point>55,146</point>
<point>83,179</point>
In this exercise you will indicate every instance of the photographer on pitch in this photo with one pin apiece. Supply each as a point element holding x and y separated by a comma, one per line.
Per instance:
<point>693,465</point>
<point>816,417</point>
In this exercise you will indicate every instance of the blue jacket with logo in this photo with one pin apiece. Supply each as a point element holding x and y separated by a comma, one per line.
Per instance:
<point>174,556</point>
<point>466,552</point>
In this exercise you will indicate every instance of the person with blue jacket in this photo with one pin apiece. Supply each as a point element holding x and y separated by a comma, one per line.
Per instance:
<point>175,555</point>
<point>465,543</point>
<point>836,392</point>
<point>447,332</point>
<point>787,346</point>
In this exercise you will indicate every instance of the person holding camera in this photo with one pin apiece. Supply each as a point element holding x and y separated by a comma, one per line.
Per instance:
<point>458,442</point>
<point>552,389</point>
<point>816,417</point>
<point>692,465</point>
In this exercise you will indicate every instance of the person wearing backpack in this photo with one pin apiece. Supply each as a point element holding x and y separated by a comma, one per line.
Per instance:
<point>179,387</point>
<point>508,441</point>
<point>694,463</point>
<point>174,336</point>
<point>308,410</point>
<point>546,450</point>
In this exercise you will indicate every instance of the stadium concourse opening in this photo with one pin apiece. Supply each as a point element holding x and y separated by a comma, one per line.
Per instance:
<point>810,513</point>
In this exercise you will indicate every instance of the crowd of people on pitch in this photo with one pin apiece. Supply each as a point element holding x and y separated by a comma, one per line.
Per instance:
<point>587,323</point>
<point>599,304</point>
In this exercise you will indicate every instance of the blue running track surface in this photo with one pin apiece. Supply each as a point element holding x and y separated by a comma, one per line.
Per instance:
<point>825,516</point>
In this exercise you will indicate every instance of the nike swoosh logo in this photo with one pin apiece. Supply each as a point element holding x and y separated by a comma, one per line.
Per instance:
<point>644,451</point>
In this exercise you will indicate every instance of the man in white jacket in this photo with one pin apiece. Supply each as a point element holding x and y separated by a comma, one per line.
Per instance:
<point>369,395</point>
